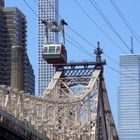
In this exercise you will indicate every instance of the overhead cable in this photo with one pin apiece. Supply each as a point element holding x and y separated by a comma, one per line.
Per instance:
<point>128,25</point>
<point>30,8</point>
<point>101,30</point>
<point>95,5</point>
<point>80,45</point>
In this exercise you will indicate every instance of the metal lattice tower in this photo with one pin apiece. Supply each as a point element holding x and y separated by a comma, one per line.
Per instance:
<point>78,102</point>
<point>74,106</point>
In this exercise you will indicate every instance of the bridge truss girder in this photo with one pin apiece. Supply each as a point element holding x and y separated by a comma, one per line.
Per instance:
<point>74,106</point>
<point>82,105</point>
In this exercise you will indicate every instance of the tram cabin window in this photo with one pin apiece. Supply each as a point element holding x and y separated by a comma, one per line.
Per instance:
<point>51,49</point>
<point>45,49</point>
<point>57,49</point>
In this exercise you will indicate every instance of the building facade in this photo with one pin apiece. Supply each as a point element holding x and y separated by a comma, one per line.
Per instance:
<point>2,44</point>
<point>29,77</point>
<point>129,98</point>
<point>47,10</point>
<point>2,3</point>
<point>13,33</point>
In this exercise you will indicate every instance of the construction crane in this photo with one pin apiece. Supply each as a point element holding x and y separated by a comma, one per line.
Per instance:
<point>54,53</point>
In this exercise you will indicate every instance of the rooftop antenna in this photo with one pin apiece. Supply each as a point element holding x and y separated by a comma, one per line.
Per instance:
<point>132,49</point>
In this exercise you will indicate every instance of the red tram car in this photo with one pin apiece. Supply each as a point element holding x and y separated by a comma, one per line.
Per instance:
<point>54,53</point>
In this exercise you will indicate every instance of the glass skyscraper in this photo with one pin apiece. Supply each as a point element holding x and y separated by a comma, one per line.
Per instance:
<point>129,98</point>
<point>47,10</point>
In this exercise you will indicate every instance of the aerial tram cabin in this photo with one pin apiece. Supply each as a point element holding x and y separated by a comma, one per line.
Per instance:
<point>54,53</point>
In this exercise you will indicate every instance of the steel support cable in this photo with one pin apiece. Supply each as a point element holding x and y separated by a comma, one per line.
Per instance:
<point>89,52</point>
<point>115,70</point>
<point>86,52</point>
<point>81,36</point>
<point>109,24</point>
<point>89,44</point>
<point>35,2</point>
<point>101,30</point>
<point>84,11</point>
<point>68,35</point>
<point>94,4</point>
<point>30,8</point>
<point>94,46</point>
<point>126,22</point>
<point>77,33</point>
<point>128,25</point>
<point>85,40</point>
<point>77,46</point>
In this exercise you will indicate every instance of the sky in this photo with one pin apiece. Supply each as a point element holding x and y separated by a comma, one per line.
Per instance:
<point>85,28</point>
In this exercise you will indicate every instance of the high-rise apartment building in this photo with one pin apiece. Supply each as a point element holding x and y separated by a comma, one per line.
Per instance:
<point>13,33</point>
<point>2,23</point>
<point>47,10</point>
<point>129,98</point>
